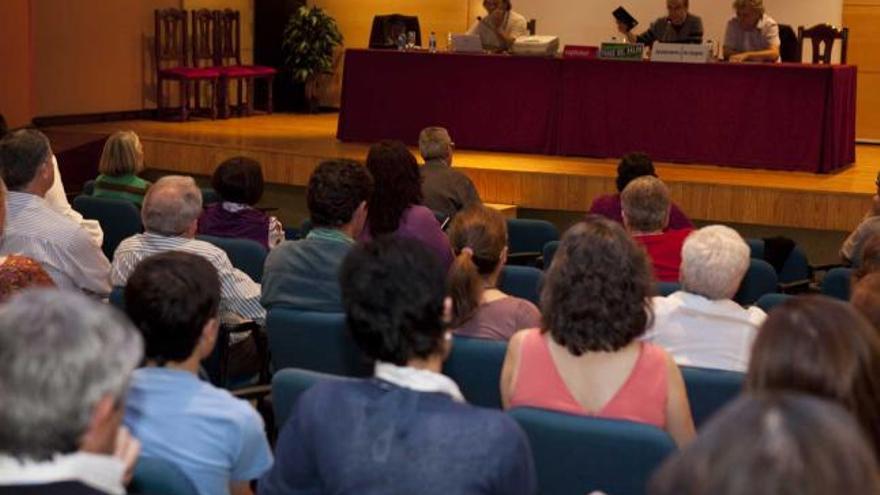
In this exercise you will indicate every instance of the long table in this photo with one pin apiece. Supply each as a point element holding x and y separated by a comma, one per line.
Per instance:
<point>774,116</point>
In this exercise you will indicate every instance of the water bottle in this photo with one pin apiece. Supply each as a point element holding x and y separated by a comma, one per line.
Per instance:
<point>432,42</point>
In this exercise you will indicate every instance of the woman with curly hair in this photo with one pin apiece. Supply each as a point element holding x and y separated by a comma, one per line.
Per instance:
<point>587,358</point>
<point>395,205</point>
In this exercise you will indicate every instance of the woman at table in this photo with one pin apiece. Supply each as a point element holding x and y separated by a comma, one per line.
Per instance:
<point>501,26</point>
<point>751,36</point>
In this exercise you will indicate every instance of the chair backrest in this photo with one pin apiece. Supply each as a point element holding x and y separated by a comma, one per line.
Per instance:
<point>153,475</point>
<point>204,38</point>
<point>386,29</point>
<point>578,454</point>
<point>117,297</point>
<point>795,268</point>
<point>522,281</point>
<point>666,288</point>
<point>709,390</point>
<point>247,255</point>
<point>837,283</point>
<point>770,301</point>
<point>314,341</point>
<point>229,37</point>
<point>288,384</point>
<point>119,219</point>
<point>760,279</point>
<point>822,38</point>
<point>170,38</point>
<point>526,239</point>
<point>549,252</point>
<point>475,365</point>
<point>209,196</point>
<point>789,49</point>
<point>532,26</point>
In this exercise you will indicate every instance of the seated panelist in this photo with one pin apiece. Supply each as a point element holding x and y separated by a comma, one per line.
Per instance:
<point>751,36</point>
<point>501,26</point>
<point>679,26</point>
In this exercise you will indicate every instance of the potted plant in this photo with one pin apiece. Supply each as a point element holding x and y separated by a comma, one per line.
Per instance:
<point>308,43</point>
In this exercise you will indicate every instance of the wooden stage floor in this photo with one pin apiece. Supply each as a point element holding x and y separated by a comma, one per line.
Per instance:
<point>290,146</point>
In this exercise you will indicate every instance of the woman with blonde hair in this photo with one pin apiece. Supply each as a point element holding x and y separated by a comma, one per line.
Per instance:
<point>121,161</point>
<point>478,236</point>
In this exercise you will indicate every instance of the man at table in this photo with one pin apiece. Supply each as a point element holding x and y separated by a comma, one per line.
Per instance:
<point>751,36</point>
<point>501,26</point>
<point>679,26</point>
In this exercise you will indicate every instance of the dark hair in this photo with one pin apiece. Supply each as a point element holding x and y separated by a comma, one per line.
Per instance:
<point>484,231</point>
<point>22,153</point>
<point>866,298</point>
<point>336,189</point>
<point>823,347</point>
<point>392,292</point>
<point>170,297</point>
<point>595,294</point>
<point>239,180</point>
<point>397,186</point>
<point>631,166</point>
<point>772,444</point>
<point>869,258</point>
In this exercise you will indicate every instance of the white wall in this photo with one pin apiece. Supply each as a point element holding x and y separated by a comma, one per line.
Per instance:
<point>589,22</point>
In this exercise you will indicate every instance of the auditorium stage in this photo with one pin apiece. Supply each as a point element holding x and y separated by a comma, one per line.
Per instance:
<point>289,146</point>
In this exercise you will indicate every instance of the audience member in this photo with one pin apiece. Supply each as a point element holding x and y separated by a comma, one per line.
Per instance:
<point>866,298</point>
<point>304,274</point>
<point>773,444</point>
<point>700,325</point>
<point>751,36</point>
<point>869,261</point>
<point>500,27</point>
<point>171,211</point>
<point>851,251</point>
<point>33,229</point>
<point>239,182</point>
<point>65,362</point>
<point>407,430</point>
<point>587,358</point>
<point>632,166</point>
<point>445,190</point>
<point>121,161</point>
<point>645,202</point>
<point>17,272</point>
<point>479,308</point>
<point>678,26</point>
<point>395,204</point>
<point>824,347</point>
<point>217,440</point>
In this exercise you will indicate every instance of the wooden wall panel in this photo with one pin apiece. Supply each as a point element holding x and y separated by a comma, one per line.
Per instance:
<point>16,83</point>
<point>862,17</point>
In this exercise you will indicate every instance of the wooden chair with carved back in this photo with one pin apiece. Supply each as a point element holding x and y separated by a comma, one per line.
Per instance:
<point>203,52</point>
<point>229,60</point>
<point>822,37</point>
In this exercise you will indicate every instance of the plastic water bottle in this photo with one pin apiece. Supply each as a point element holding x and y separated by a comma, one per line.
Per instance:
<point>432,42</point>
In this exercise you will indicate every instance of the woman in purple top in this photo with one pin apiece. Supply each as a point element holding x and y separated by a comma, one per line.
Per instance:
<point>479,239</point>
<point>632,166</point>
<point>395,206</point>
<point>239,183</point>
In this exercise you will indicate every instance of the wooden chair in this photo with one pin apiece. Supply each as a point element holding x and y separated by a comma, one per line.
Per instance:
<point>822,37</point>
<point>171,43</point>
<point>229,60</point>
<point>203,51</point>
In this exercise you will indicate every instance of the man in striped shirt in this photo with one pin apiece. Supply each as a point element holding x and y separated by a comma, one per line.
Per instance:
<point>170,214</point>
<point>33,229</point>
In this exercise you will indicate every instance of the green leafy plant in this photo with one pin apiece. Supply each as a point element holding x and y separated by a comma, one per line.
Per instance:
<point>309,40</point>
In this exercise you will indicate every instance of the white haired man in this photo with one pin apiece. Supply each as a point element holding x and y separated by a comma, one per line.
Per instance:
<point>751,36</point>
<point>444,189</point>
<point>64,376</point>
<point>700,325</point>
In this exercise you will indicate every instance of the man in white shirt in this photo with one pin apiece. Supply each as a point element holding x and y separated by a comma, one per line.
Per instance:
<point>751,36</point>
<point>60,419</point>
<point>34,229</point>
<point>501,26</point>
<point>701,325</point>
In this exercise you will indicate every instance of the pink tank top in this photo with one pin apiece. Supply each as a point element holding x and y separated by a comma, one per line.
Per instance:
<point>642,398</point>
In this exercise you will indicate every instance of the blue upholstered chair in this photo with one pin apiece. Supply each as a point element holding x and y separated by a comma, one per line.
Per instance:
<point>709,390</point>
<point>837,283</point>
<point>770,301</point>
<point>760,279</point>
<point>795,270</point>
<point>521,281</point>
<point>578,454</point>
<point>288,384</point>
<point>246,255</point>
<point>119,219</point>
<point>475,365</point>
<point>117,297</point>
<point>153,475</point>
<point>526,239</point>
<point>666,288</point>
<point>549,253</point>
<point>314,341</point>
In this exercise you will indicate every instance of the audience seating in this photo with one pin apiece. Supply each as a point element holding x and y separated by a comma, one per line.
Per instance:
<point>770,301</point>
<point>313,341</point>
<point>153,475</point>
<point>522,281</point>
<point>117,298</point>
<point>475,365</point>
<point>822,37</point>
<point>549,252</point>
<point>119,219</point>
<point>709,390</point>
<point>526,239</point>
<point>760,279</point>
<point>837,283</point>
<point>795,272</point>
<point>246,255</point>
<point>666,288</point>
<point>576,454</point>
<point>288,384</point>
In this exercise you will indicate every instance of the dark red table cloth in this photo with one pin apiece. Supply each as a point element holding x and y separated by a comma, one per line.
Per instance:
<point>775,116</point>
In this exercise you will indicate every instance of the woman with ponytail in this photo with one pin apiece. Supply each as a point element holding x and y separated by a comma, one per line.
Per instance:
<point>478,236</point>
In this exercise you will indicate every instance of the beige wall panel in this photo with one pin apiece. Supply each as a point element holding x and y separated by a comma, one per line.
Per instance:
<point>16,92</point>
<point>864,36</point>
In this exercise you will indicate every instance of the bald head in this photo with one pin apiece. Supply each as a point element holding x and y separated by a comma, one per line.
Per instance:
<point>172,206</point>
